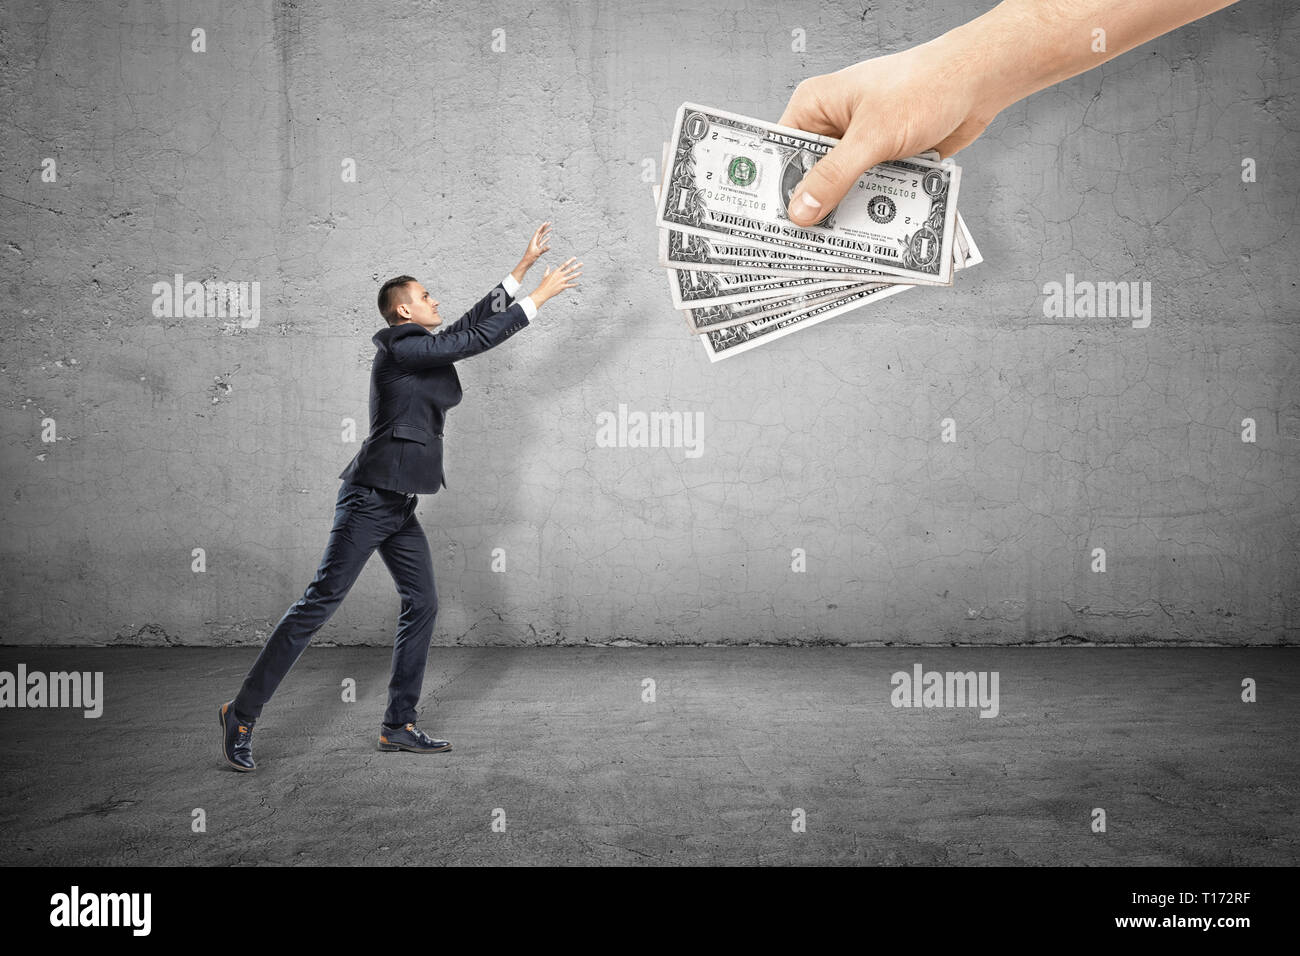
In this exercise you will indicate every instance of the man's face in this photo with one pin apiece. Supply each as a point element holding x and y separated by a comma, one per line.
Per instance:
<point>419,307</point>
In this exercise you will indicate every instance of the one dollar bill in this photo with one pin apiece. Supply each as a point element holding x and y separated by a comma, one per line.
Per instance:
<point>732,176</point>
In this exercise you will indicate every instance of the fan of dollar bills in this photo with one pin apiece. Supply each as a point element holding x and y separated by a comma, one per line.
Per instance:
<point>744,275</point>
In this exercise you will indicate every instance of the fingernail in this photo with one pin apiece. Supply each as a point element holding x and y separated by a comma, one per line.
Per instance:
<point>804,206</point>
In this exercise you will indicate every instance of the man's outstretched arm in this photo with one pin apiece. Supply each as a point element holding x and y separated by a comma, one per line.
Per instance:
<point>503,293</point>
<point>493,328</point>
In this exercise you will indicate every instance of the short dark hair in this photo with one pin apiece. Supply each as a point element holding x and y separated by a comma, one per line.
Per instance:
<point>388,297</point>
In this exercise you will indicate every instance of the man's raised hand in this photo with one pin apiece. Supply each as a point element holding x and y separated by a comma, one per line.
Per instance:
<point>537,245</point>
<point>556,280</point>
<point>540,242</point>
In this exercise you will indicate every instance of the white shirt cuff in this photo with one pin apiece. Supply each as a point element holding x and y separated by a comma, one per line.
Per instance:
<point>529,307</point>
<point>511,285</point>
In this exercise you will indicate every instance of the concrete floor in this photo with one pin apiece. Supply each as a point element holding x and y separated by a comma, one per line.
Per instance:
<point>589,774</point>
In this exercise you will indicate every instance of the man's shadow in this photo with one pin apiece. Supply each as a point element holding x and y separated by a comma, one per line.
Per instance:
<point>532,429</point>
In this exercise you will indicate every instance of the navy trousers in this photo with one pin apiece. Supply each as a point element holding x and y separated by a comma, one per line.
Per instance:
<point>364,519</point>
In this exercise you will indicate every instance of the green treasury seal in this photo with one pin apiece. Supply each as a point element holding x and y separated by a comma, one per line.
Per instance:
<point>742,171</point>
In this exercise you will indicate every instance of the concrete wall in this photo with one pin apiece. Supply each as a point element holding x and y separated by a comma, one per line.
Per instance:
<point>172,434</point>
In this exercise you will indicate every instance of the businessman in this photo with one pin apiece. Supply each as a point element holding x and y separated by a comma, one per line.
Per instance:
<point>413,383</point>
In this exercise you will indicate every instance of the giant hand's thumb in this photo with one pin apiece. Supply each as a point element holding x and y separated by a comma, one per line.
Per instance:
<point>831,178</point>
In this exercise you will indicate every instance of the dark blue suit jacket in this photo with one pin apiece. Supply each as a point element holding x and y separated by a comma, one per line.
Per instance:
<point>412,384</point>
